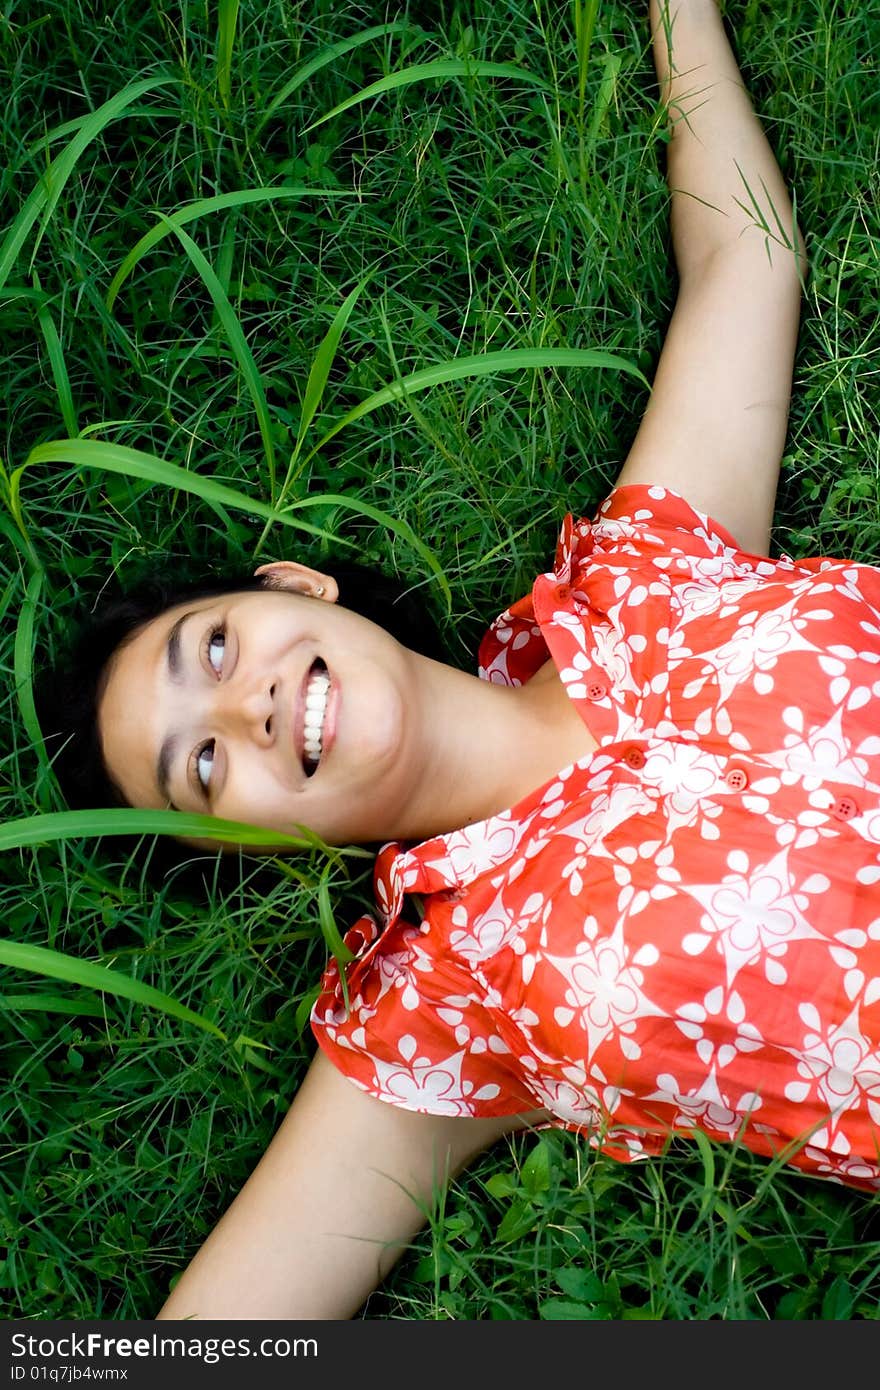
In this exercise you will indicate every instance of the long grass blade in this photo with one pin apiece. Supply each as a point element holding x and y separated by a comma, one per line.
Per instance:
<point>55,965</point>
<point>318,376</point>
<point>441,70</point>
<point>116,458</point>
<point>584,23</point>
<point>58,367</point>
<point>133,463</point>
<point>55,826</point>
<point>335,50</point>
<point>484,364</point>
<point>227,20</point>
<point>201,208</point>
<point>50,185</point>
<point>237,341</point>
<point>61,132</point>
<point>605,96</point>
<point>51,1004</point>
<point>89,824</point>
<point>329,929</point>
<point>23,655</point>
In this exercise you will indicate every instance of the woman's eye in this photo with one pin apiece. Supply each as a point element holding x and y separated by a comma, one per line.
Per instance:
<point>203,765</point>
<point>216,649</point>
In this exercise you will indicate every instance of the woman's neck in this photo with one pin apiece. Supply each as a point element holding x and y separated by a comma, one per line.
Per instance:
<point>488,746</point>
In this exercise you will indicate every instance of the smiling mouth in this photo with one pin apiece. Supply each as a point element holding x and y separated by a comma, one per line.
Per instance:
<point>317,696</point>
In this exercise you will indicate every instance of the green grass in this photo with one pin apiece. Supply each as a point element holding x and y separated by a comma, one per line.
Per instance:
<point>254,260</point>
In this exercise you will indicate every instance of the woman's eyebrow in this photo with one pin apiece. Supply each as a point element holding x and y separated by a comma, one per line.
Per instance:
<point>172,648</point>
<point>175,671</point>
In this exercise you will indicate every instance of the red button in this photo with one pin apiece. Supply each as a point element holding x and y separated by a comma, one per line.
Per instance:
<point>845,808</point>
<point>562,591</point>
<point>596,690</point>
<point>736,778</point>
<point>634,757</point>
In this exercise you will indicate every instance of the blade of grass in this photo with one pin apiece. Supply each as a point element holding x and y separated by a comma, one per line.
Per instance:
<point>68,825</point>
<point>123,820</point>
<point>23,660</point>
<point>335,50</point>
<point>440,70</point>
<point>55,965</point>
<point>61,132</point>
<point>605,96</point>
<point>584,24</point>
<point>329,929</point>
<point>400,528</point>
<point>480,365</point>
<point>201,208</point>
<point>57,365</point>
<point>316,384</point>
<point>50,185</point>
<point>115,458</point>
<point>132,463</point>
<point>227,20</point>
<point>237,341</point>
<point>51,1004</point>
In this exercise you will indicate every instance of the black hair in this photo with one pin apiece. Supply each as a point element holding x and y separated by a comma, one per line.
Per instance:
<point>67,690</point>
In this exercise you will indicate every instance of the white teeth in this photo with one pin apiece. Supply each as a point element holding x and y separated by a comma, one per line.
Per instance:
<point>316,708</point>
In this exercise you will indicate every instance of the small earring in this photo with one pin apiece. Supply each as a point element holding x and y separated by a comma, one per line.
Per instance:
<point>318,591</point>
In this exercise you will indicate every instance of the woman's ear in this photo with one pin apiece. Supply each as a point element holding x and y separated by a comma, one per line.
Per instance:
<point>299,579</point>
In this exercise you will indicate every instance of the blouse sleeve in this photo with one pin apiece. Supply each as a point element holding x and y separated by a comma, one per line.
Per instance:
<point>415,1032</point>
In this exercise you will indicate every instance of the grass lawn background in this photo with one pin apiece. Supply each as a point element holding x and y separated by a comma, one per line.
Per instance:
<point>508,196</point>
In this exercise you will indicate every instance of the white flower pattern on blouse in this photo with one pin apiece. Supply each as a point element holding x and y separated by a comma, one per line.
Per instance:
<point>681,931</point>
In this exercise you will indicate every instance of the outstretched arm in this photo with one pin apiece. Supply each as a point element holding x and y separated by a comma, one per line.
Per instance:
<point>715,426</point>
<point>345,1183</point>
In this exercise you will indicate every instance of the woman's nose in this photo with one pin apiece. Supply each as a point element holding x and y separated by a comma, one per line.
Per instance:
<point>251,709</point>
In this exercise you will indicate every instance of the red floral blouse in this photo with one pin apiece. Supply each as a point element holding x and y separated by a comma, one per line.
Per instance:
<point>682,930</point>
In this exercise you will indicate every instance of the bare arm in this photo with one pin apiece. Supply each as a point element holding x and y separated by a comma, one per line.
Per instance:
<point>345,1183</point>
<point>715,426</point>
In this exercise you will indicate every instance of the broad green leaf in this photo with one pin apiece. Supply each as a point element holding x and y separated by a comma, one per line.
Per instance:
<point>581,1284</point>
<point>55,965</point>
<point>502,1185</point>
<point>517,1221</point>
<point>535,1171</point>
<point>61,132</point>
<point>50,184</point>
<point>837,1304</point>
<point>562,1310</point>
<point>440,70</point>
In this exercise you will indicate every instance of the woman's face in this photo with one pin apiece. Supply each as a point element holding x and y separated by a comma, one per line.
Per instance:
<point>275,707</point>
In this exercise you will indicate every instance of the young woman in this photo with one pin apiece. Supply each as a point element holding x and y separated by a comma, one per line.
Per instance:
<point>631,888</point>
